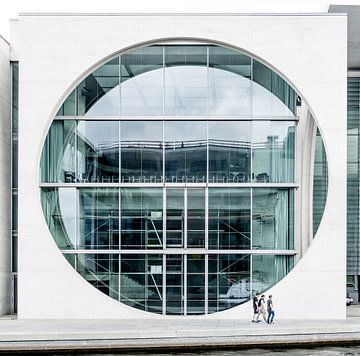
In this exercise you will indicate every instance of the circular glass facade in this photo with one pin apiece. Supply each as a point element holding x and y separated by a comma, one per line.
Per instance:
<point>167,178</point>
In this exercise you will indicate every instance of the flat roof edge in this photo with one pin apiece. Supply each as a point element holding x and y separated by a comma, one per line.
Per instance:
<point>179,14</point>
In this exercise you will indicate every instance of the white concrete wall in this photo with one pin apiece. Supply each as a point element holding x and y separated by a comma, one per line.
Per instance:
<point>5,179</point>
<point>55,52</point>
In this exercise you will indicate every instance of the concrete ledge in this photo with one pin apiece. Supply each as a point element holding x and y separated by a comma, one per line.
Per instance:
<point>36,336</point>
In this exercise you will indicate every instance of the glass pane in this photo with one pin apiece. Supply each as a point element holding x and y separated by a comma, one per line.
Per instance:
<point>141,218</point>
<point>196,218</point>
<point>141,151</point>
<point>98,151</point>
<point>273,219</point>
<point>68,108</point>
<point>229,281</point>
<point>229,218</point>
<point>58,205</point>
<point>195,284</point>
<point>174,284</point>
<point>229,82</point>
<point>320,179</point>
<point>58,155</point>
<point>186,80</point>
<point>142,82</point>
<point>272,95</point>
<point>273,145</point>
<point>185,151</point>
<point>98,94</point>
<point>98,218</point>
<point>175,218</point>
<point>100,270</point>
<point>267,270</point>
<point>229,151</point>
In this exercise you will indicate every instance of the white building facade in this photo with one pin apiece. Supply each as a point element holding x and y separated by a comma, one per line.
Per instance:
<point>174,165</point>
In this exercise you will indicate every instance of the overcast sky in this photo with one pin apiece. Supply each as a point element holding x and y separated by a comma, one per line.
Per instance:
<point>11,8</point>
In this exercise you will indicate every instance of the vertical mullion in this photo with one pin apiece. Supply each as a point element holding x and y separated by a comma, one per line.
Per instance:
<point>206,218</point>
<point>206,283</point>
<point>185,284</point>
<point>164,284</point>
<point>163,78</point>
<point>164,227</point>
<point>185,217</point>
<point>251,240</point>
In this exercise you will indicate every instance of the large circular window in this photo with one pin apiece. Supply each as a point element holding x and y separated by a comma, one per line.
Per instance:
<point>167,178</point>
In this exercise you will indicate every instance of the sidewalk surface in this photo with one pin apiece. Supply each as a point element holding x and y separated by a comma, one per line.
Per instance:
<point>172,334</point>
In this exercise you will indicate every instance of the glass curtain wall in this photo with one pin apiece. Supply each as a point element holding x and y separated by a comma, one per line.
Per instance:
<point>160,178</point>
<point>231,152</point>
<point>182,80</point>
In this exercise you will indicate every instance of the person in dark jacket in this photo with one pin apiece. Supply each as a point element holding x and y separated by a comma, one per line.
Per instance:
<point>270,310</point>
<point>255,307</point>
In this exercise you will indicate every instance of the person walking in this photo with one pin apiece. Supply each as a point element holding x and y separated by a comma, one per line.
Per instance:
<point>270,310</point>
<point>261,309</point>
<point>255,307</point>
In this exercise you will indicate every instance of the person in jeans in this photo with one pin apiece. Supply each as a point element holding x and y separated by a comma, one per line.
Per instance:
<point>255,306</point>
<point>270,310</point>
<point>261,308</point>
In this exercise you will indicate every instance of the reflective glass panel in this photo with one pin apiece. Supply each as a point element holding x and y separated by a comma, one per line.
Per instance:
<point>229,218</point>
<point>141,282</point>
<point>186,80</point>
<point>175,218</point>
<point>271,95</point>
<point>273,146</point>
<point>229,281</point>
<point>98,94</point>
<point>59,207</point>
<point>98,219</point>
<point>58,154</point>
<point>185,151</point>
<point>98,151</point>
<point>68,108</point>
<point>175,284</point>
<point>142,82</point>
<point>273,219</point>
<point>101,271</point>
<point>196,218</point>
<point>195,284</point>
<point>141,218</point>
<point>141,151</point>
<point>229,83</point>
<point>229,151</point>
<point>267,270</point>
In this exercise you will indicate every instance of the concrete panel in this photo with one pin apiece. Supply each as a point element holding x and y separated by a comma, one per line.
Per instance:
<point>56,51</point>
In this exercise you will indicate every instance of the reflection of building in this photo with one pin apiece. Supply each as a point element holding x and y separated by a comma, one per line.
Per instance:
<point>178,177</point>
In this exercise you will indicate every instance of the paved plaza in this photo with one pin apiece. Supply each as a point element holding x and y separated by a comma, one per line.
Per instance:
<point>171,334</point>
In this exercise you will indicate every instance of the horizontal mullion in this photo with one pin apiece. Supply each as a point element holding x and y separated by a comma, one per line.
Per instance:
<point>169,185</point>
<point>176,118</point>
<point>181,251</point>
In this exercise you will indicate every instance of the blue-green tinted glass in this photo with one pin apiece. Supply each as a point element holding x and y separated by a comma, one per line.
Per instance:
<point>59,207</point>
<point>320,178</point>
<point>229,281</point>
<point>98,218</point>
<point>273,218</point>
<point>185,151</point>
<point>186,80</point>
<point>142,82</point>
<point>267,270</point>
<point>195,284</point>
<point>141,282</point>
<point>100,270</point>
<point>270,93</point>
<point>98,94</point>
<point>229,218</point>
<point>196,218</point>
<point>98,151</point>
<point>58,155</point>
<point>273,151</point>
<point>141,218</point>
<point>229,151</point>
<point>141,151</point>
